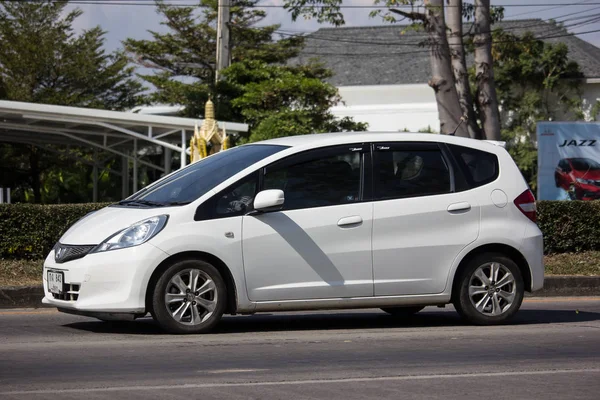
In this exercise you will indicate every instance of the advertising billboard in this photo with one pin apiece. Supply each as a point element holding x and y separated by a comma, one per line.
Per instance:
<point>568,160</point>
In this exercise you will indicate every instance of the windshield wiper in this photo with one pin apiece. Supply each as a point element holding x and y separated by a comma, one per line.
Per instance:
<point>141,202</point>
<point>176,203</point>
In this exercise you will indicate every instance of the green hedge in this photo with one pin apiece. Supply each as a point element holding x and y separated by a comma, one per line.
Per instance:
<point>569,226</point>
<point>29,231</point>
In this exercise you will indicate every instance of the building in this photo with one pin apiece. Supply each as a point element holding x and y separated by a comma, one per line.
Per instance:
<point>382,75</point>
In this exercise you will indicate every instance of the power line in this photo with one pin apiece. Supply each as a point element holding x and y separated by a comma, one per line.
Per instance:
<point>183,4</point>
<point>590,20</point>
<point>394,54</point>
<point>546,9</point>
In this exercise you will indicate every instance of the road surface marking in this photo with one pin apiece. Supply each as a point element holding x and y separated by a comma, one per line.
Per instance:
<point>305,382</point>
<point>233,371</point>
<point>53,311</point>
<point>559,299</point>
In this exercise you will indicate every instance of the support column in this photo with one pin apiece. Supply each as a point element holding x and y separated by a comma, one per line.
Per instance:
<point>135,166</point>
<point>95,178</point>
<point>124,177</point>
<point>183,147</point>
<point>168,158</point>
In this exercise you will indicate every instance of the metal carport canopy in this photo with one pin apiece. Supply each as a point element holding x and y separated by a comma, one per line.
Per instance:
<point>116,132</point>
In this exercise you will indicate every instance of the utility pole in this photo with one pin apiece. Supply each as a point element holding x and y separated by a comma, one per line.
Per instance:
<point>223,54</point>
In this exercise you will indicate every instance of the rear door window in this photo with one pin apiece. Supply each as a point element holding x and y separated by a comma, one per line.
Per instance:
<point>410,170</point>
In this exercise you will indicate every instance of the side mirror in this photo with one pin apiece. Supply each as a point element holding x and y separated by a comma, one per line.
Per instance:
<point>269,200</point>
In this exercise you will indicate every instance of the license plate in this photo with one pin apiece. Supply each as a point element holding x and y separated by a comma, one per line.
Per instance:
<point>55,282</point>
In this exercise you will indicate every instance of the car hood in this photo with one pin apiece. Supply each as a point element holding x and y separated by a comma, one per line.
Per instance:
<point>99,225</point>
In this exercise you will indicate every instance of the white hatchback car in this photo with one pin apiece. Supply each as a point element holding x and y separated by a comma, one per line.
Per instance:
<point>355,220</point>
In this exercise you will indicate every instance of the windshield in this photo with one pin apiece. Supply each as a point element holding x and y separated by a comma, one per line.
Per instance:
<point>188,184</point>
<point>584,164</point>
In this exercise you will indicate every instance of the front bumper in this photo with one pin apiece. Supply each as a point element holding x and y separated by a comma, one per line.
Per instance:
<point>588,192</point>
<point>112,282</point>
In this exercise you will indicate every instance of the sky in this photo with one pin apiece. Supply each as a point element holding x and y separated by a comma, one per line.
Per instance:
<point>133,21</point>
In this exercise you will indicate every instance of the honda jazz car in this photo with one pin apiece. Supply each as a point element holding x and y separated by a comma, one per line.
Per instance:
<point>580,177</point>
<point>395,221</point>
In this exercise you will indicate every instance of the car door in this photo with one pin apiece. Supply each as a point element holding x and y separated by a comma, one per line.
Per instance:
<point>420,221</point>
<point>319,244</point>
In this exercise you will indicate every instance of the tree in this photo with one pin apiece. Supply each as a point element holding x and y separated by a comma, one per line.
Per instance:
<point>535,81</point>
<point>484,76</point>
<point>448,72</point>
<point>433,22</point>
<point>42,60</point>
<point>276,99</point>
<point>454,22</point>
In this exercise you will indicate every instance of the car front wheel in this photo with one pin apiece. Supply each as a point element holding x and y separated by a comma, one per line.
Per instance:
<point>490,290</point>
<point>190,297</point>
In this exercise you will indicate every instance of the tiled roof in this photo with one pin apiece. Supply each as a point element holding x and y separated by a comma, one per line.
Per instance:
<point>388,55</point>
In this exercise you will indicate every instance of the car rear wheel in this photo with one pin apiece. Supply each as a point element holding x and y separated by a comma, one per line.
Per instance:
<point>402,311</point>
<point>190,297</point>
<point>490,290</point>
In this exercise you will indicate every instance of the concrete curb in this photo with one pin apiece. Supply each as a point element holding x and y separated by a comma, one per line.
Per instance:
<point>554,286</point>
<point>569,286</point>
<point>21,296</point>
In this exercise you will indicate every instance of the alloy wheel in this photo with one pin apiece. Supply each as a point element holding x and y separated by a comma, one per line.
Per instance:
<point>191,296</point>
<point>492,289</point>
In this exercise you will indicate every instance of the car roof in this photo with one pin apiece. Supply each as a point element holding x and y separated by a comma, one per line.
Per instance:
<point>340,138</point>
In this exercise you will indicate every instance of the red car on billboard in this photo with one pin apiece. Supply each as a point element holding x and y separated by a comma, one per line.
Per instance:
<point>580,177</point>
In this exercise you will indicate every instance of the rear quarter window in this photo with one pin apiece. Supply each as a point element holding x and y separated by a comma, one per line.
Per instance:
<point>478,167</point>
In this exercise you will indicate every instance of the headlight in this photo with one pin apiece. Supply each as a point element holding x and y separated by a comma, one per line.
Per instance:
<point>135,235</point>
<point>585,181</point>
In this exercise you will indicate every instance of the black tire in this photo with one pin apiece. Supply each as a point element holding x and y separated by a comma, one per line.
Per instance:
<point>403,311</point>
<point>572,192</point>
<point>466,306</point>
<point>162,312</point>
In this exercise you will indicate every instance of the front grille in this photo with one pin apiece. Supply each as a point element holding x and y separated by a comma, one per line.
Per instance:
<point>68,252</point>
<point>71,292</point>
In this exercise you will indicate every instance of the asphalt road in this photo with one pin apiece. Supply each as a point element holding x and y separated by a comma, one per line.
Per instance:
<point>550,351</point>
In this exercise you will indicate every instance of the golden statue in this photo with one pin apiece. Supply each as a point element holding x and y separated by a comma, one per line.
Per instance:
<point>208,134</point>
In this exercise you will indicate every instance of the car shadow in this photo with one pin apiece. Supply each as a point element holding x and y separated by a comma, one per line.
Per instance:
<point>332,321</point>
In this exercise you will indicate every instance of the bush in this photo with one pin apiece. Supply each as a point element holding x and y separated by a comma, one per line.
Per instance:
<point>569,226</point>
<point>29,231</point>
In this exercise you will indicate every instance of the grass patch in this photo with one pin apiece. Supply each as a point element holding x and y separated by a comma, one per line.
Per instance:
<point>583,263</point>
<point>29,272</point>
<point>20,272</point>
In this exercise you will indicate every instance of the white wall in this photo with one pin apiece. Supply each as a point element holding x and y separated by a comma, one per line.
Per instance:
<point>390,107</point>
<point>412,107</point>
<point>591,94</point>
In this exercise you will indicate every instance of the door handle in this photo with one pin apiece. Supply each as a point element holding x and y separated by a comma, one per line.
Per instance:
<point>354,220</point>
<point>464,206</point>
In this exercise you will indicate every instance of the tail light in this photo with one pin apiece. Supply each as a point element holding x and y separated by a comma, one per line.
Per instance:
<point>526,204</point>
